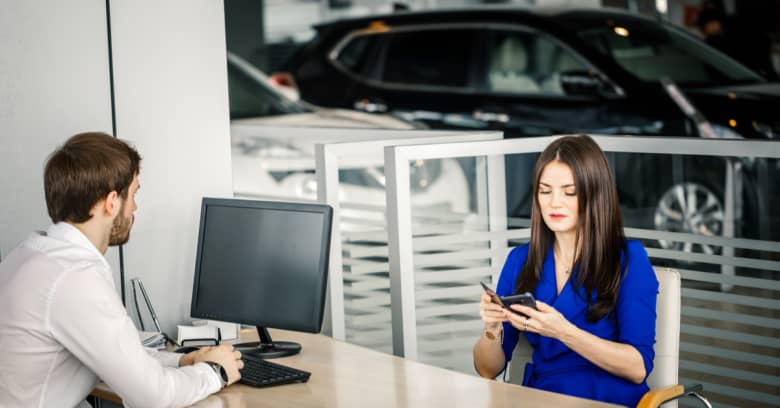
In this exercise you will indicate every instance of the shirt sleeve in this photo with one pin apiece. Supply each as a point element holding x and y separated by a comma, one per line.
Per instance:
<point>86,316</point>
<point>165,358</point>
<point>636,304</point>
<point>506,286</point>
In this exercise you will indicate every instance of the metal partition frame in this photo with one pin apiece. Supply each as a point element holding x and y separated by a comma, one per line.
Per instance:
<point>329,157</point>
<point>402,267</point>
<point>400,219</point>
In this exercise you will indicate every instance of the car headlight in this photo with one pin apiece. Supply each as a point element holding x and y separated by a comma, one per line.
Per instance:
<point>262,147</point>
<point>422,174</point>
<point>278,158</point>
<point>283,160</point>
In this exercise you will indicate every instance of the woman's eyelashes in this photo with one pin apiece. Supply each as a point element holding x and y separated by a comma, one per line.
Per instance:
<point>568,193</point>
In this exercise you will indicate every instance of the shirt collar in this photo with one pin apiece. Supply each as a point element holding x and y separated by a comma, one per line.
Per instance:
<point>64,231</point>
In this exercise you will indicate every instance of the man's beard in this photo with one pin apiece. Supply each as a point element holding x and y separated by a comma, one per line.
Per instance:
<point>120,230</point>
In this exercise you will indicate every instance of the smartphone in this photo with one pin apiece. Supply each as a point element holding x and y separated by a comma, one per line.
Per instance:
<point>493,296</point>
<point>525,299</point>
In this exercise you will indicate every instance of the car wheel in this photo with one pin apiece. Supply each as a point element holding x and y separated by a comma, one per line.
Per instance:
<point>692,208</point>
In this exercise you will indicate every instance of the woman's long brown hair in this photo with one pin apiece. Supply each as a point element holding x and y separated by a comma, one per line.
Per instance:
<point>599,225</point>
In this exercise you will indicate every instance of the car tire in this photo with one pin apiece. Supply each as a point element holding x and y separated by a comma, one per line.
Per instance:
<point>690,207</point>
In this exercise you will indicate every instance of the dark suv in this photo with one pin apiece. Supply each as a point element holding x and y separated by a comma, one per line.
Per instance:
<point>541,72</point>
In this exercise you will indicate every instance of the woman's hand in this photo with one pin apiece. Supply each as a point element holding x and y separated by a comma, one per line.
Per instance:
<point>545,321</point>
<point>492,314</point>
<point>489,357</point>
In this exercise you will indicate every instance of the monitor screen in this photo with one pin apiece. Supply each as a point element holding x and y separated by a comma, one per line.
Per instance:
<point>262,263</point>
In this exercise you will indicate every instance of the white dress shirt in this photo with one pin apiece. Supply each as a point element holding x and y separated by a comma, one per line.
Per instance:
<point>63,326</point>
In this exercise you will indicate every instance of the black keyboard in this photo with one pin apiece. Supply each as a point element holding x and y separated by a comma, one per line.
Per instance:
<point>262,373</point>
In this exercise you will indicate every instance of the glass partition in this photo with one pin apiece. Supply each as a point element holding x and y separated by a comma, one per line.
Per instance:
<point>705,207</point>
<point>359,291</point>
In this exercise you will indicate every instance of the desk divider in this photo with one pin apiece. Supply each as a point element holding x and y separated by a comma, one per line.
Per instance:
<point>730,307</point>
<point>330,158</point>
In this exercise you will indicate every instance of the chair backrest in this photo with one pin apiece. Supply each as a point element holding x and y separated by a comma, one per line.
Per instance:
<point>667,331</point>
<point>667,336</point>
<point>508,68</point>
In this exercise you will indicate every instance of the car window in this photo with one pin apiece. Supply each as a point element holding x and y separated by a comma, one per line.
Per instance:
<point>249,98</point>
<point>430,57</point>
<point>356,54</point>
<point>654,52</point>
<point>527,63</point>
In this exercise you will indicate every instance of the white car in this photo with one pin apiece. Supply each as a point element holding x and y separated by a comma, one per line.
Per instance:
<point>271,163</point>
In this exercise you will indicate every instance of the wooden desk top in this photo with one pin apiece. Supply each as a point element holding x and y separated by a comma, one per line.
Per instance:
<point>345,375</point>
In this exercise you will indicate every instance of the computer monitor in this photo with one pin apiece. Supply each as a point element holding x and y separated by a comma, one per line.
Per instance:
<point>265,264</point>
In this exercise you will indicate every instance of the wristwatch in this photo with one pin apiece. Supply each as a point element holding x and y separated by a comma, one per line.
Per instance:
<point>221,373</point>
<point>493,336</point>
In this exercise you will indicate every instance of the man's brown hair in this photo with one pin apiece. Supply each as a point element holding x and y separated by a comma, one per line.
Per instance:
<point>83,171</point>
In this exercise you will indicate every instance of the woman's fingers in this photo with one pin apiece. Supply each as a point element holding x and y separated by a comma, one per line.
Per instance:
<point>515,320</point>
<point>543,307</point>
<point>513,317</point>
<point>525,310</point>
<point>522,323</point>
<point>492,317</point>
<point>490,307</point>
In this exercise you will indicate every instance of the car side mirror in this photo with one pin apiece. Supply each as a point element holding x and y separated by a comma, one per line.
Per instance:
<point>587,83</point>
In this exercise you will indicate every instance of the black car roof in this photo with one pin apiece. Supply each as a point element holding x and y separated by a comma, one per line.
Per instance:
<point>564,22</point>
<point>540,15</point>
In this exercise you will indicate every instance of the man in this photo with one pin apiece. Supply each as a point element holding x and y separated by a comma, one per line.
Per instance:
<point>62,323</point>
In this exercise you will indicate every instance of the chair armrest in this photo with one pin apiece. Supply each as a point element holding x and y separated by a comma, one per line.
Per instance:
<point>655,397</point>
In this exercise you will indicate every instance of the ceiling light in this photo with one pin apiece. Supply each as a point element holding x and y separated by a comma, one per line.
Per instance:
<point>662,6</point>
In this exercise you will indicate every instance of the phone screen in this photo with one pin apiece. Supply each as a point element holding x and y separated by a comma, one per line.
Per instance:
<point>525,299</point>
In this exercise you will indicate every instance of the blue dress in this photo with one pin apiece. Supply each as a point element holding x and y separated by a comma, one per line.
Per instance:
<point>557,368</point>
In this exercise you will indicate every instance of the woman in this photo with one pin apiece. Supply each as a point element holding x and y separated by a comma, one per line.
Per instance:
<point>594,328</point>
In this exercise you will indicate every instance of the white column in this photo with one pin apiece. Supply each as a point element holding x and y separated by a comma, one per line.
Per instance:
<point>170,73</point>
<point>54,83</point>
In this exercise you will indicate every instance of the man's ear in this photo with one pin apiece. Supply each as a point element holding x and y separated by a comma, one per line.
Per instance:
<point>112,203</point>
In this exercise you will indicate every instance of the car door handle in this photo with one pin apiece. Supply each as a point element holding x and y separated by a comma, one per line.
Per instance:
<point>367,105</point>
<point>490,116</point>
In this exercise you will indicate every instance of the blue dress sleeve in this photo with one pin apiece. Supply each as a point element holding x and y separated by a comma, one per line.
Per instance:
<point>636,302</point>
<point>506,286</point>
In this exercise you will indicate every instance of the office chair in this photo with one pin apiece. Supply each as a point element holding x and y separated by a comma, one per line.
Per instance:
<point>663,380</point>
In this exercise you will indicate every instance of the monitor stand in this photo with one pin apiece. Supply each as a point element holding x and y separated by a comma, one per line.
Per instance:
<point>267,348</point>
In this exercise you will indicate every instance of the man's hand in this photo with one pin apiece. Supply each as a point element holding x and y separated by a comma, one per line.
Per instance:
<point>189,358</point>
<point>223,355</point>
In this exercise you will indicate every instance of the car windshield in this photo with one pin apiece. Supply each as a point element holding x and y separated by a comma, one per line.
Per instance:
<point>651,52</point>
<point>250,97</point>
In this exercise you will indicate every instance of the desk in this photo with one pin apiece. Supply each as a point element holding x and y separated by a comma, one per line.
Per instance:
<point>345,375</point>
